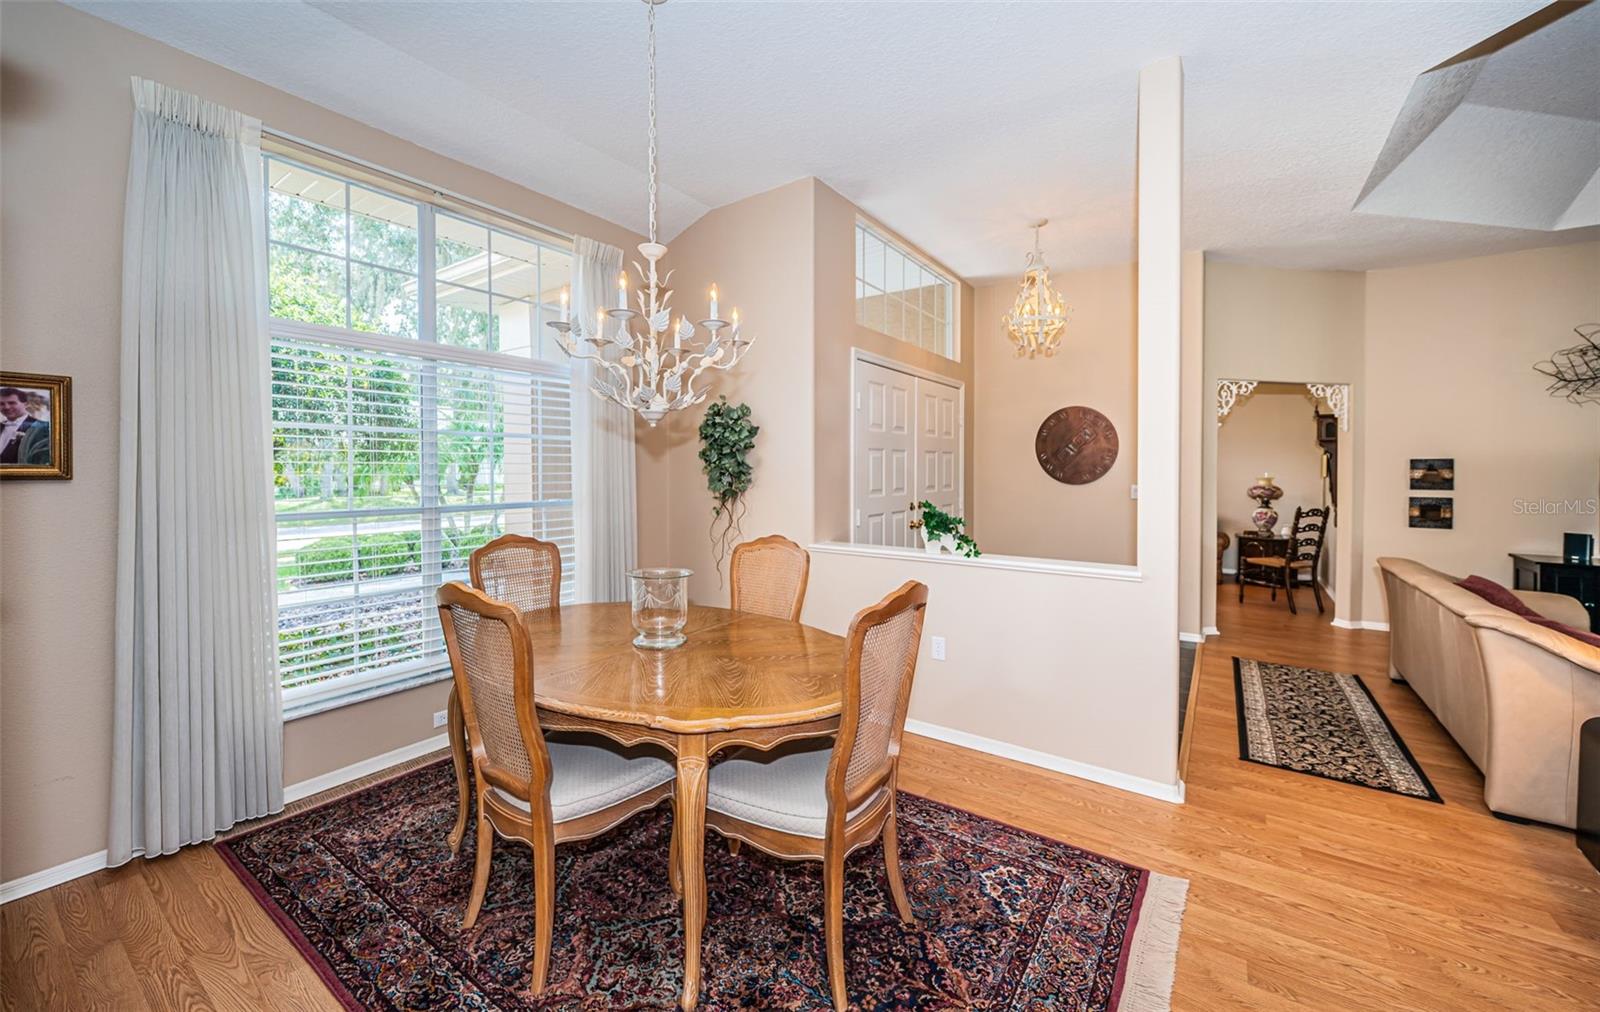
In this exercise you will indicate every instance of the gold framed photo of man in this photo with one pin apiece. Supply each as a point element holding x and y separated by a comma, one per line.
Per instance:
<point>35,426</point>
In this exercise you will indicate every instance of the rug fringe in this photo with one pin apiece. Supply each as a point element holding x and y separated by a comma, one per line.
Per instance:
<point>1153,957</point>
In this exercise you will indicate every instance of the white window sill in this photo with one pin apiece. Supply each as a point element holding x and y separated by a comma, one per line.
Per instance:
<point>1014,563</point>
<point>314,699</point>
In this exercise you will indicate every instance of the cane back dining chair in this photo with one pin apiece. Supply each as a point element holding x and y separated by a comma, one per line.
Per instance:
<point>769,577</point>
<point>525,573</point>
<point>1306,539</point>
<point>541,793</point>
<point>821,805</point>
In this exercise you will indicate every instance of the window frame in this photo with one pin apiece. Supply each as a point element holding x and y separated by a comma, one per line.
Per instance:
<point>342,690</point>
<point>949,342</point>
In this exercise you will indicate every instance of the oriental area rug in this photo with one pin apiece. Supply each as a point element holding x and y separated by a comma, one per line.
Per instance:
<point>1324,724</point>
<point>366,888</point>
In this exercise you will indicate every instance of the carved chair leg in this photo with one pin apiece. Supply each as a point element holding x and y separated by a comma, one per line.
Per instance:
<point>458,757</point>
<point>1240,576</point>
<point>833,926</point>
<point>480,868</point>
<point>674,859</point>
<point>544,902</point>
<point>1316,592</point>
<point>1288,589</point>
<point>891,861</point>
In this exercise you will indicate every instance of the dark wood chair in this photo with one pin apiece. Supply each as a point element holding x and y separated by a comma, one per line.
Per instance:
<point>1306,539</point>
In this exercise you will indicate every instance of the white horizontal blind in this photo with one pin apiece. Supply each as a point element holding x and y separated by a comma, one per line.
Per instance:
<point>367,529</point>
<point>392,466</point>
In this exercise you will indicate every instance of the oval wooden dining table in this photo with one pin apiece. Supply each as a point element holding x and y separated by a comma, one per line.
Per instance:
<point>738,680</point>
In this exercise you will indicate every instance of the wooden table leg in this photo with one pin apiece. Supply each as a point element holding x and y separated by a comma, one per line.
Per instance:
<point>457,725</point>
<point>689,825</point>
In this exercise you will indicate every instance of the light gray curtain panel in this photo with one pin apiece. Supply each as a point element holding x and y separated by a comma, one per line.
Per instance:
<point>198,724</point>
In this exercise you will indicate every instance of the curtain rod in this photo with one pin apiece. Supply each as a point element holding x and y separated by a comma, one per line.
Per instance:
<point>412,181</point>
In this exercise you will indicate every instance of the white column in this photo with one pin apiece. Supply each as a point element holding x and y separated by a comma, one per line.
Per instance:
<point>1160,210</point>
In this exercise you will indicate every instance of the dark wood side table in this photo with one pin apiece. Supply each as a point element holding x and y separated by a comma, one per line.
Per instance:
<point>1255,545</point>
<point>1554,575</point>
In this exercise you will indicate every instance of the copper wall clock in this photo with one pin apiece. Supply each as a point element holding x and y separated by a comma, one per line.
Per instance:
<point>1076,445</point>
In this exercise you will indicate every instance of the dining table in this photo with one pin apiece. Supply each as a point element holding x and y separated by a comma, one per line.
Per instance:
<point>738,680</point>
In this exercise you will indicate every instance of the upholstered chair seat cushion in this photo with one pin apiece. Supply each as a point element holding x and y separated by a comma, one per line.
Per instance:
<point>587,778</point>
<point>787,792</point>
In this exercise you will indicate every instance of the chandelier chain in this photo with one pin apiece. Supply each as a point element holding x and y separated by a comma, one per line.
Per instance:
<point>652,22</point>
<point>651,368</point>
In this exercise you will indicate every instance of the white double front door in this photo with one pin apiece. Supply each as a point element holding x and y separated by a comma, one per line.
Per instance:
<point>905,446</point>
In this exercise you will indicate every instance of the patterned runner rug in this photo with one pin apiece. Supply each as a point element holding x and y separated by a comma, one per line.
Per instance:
<point>1324,724</point>
<point>366,888</point>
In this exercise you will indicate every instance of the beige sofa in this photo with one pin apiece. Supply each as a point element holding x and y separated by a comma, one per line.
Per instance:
<point>1513,694</point>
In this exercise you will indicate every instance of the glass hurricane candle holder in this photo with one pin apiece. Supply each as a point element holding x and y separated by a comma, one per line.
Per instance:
<point>660,599</point>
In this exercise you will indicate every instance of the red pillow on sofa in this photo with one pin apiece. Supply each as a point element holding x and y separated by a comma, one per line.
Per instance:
<point>1497,595</point>
<point>1581,635</point>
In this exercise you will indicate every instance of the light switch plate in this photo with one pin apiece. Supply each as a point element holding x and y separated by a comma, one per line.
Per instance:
<point>438,719</point>
<point>936,645</point>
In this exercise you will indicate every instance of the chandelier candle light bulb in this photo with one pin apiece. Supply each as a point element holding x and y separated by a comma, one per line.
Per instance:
<point>648,372</point>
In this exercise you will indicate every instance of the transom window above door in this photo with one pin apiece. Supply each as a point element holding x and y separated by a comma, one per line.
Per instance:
<point>900,294</point>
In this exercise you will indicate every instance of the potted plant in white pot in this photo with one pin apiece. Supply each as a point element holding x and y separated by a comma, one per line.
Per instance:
<point>942,532</point>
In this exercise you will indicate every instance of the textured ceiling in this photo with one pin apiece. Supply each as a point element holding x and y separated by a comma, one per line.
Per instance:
<point>1507,133</point>
<point>954,123</point>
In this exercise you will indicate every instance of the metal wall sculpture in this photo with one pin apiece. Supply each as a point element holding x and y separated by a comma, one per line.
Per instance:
<point>1574,372</point>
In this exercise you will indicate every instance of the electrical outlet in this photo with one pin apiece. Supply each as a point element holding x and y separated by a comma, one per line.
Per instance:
<point>936,645</point>
<point>438,719</point>
<point>1133,491</point>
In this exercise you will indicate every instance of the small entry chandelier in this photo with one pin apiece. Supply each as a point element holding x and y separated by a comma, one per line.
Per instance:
<point>1039,315</point>
<point>652,372</point>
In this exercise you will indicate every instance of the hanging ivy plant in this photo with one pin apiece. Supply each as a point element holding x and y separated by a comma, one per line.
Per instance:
<point>726,438</point>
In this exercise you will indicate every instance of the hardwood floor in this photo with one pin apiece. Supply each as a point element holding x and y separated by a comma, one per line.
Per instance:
<point>1304,894</point>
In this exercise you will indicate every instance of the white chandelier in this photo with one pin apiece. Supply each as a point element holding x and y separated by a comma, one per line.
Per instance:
<point>1039,315</point>
<point>651,372</point>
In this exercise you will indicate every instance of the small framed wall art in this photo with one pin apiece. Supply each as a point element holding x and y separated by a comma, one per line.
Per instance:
<point>1432,512</point>
<point>1433,474</point>
<point>35,426</point>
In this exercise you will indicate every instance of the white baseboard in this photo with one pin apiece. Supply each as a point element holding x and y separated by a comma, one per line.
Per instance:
<point>1210,631</point>
<point>1184,637</point>
<point>366,767</point>
<point>1084,771</point>
<point>1341,623</point>
<point>39,880</point>
<point>91,863</point>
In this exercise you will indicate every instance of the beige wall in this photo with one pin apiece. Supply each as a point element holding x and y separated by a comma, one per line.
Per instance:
<point>1271,430</point>
<point>837,332</point>
<point>1439,358</point>
<point>759,252</point>
<point>64,137</point>
<point>1268,324</point>
<point>1077,665</point>
<point>1450,350</point>
<point>1020,509</point>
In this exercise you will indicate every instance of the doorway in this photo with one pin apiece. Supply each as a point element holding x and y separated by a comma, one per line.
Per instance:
<point>1287,436</point>
<point>906,444</point>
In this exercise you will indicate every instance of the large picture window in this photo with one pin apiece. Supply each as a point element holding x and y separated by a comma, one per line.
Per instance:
<point>417,412</point>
